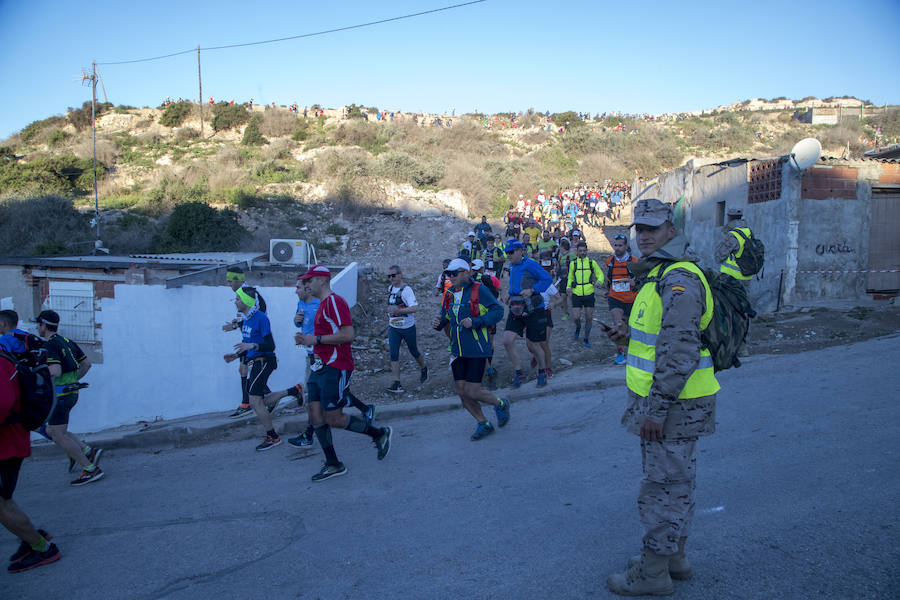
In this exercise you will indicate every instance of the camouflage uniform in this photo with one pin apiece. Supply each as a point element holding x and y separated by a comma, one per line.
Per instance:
<point>666,496</point>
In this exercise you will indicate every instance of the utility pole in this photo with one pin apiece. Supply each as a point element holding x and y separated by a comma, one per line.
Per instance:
<point>94,143</point>
<point>200,83</point>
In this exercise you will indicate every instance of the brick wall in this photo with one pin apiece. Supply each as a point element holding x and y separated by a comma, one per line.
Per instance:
<point>820,182</point>
<point>890,174</point>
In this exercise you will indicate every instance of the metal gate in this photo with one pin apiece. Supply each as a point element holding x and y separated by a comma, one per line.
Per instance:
<point>884,241</point>
<point>74,301</point>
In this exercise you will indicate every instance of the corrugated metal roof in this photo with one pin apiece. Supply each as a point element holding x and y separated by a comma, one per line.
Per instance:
<point>147,260</point>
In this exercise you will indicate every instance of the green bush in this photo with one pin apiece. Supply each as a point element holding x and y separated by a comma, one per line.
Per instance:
<point>227,116</point>
<point>198,227</point>
<point>402,167</point>
<point>35,225</point>
<point>33,128</point>
<point>242,197</point>
<point>336,229</point>
<point>57,138</point>
<point>276,172</point>
<point>252,136</point>
<point>54,175</point>
<point>175,114</point>
<point>569,117</point>
<point>80,118</point>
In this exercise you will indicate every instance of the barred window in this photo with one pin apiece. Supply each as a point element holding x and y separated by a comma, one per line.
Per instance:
<point>74,301</point>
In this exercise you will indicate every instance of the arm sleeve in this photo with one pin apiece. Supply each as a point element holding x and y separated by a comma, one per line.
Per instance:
<point>726,246</point>
<point>542,279</point>
<point>495,310</point>
<point>678,343</point>
<point>268,344</point>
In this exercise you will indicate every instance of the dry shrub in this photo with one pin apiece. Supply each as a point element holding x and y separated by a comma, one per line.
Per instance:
<point>474,183</point>
<point>226,176</point>
<point>344,163</point>
<point>536,138</point>
<point>278,123</point>
<point>185,134</point>
<point>148,138</point>
<point>600,166</point>
<point>279,149</point>
<point>107,150</point>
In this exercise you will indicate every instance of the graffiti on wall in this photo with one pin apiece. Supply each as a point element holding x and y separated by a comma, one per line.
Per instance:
<point>841,248</point>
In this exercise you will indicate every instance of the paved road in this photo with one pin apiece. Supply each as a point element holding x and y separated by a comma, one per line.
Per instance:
<point>798,496</point>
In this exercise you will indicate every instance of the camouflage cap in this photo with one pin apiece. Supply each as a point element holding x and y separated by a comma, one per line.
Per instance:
<point>652,212</point>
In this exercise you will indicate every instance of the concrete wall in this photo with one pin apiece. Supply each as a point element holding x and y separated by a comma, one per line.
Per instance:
<point>14,294</point>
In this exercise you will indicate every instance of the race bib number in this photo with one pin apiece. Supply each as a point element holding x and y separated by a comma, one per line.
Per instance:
<point>397,321</point>
<point>317,364</point>
<point>490,264</point>
<point>621,285</point>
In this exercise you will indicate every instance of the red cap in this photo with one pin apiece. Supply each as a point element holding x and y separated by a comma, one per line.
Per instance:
<point>316,271</point>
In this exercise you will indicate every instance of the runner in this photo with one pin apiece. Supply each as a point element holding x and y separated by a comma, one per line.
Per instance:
<point>583,272</point>
<point>566,256</point>
<point>493,258</point>
<point>68,364</point>
<point>234,278</point>
<point>331,372</point>
<point>257,348</point>
<point>619,287</point>
<point>402,307</point>
<point>470,345</point>
<point>526,311</point>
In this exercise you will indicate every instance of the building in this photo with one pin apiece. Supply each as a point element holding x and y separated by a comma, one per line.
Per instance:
<point>830,231</point>
<point>152,326</point>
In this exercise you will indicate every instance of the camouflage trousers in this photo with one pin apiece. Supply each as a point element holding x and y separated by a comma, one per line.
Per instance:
<point>666,496</point>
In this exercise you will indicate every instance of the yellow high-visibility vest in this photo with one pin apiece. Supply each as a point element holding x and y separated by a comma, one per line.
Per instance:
<point>645,324</point>
<point>730,266</point>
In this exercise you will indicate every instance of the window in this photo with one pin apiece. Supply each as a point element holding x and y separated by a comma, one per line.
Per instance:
<point>74,301</point>
<point>720,214</point>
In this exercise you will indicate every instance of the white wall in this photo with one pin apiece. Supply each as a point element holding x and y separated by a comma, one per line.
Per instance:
<point>162,352</point>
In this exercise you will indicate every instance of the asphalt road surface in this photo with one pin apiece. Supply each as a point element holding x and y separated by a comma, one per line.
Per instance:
<point>797,497</point>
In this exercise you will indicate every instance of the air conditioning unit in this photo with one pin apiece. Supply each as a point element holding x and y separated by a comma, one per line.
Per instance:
<point>288,252</point>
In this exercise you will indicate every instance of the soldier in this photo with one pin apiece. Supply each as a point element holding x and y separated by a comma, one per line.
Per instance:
<point>731,246</point>
<point>671,396</point>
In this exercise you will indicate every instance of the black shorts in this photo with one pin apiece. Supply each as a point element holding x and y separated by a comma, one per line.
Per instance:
<point>258,379</point>
<point>470,369</point>
<point>625,306</point>
<point>533,325</point>
<point>583,301</point>
<point>330,387</point>
<point>64,405</point>
<point>9,475</point>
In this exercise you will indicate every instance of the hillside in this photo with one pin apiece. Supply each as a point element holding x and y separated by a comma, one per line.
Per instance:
<point>269,172</point>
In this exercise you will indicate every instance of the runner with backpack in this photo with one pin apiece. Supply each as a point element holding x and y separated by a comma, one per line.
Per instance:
<point>741,255</point>
<point>467,310</point>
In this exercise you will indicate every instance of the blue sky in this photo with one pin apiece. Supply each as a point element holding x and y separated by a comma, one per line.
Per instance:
<point>493,56</point>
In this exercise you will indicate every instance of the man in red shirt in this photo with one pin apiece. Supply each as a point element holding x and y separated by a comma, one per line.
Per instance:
<point>15,445</point>
<point>329,379</point>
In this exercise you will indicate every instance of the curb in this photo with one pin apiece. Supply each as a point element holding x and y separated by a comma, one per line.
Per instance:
<point>186,434</point>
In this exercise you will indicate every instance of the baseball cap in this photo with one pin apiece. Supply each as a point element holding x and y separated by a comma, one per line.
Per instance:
<point>49,317</point>
<point>477,264</point>
<point>652,212</point>
<point>458,264</point>
<point>735,212</point>
<point>316,271</point>
<point>513,244</point>
<point>470,234</point>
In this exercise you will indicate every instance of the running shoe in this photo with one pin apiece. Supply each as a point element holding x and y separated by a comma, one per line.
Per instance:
<point>502,412</point>
<point>482,430</point>
<point>301,441</point>
<point>396,388</point>
<point>93,456</point>
<point>35,559</point>
<point>25,548</point>
<point>241,411</point>
<point>620,359</point>
<point>88,476</point>
<point>384,443</point>
<point>517,381</point>
<point>565,317</point>
<point>269,442</point>
<point>370,414</point>
<point>329,471</point>
<point>541,379</point>
<point>423,376</point>
<point>587,343</point>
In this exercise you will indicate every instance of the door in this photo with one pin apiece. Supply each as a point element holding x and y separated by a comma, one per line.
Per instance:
<point>884,241</point>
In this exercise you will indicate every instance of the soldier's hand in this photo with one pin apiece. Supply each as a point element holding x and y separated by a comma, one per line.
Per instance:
<point>651,431</point>
<point>229,326</point>
<point>230,357</point>
<point>436,323</point>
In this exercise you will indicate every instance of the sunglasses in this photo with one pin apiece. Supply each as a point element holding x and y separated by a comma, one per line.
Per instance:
<point>620,237</point>
<point>392,275</point>
<point>453,273</point>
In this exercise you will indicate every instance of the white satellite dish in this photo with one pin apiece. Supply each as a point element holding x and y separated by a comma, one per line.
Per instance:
<point>805,153</point>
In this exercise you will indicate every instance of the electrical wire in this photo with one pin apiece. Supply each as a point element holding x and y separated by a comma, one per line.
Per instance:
<point>294,37</point>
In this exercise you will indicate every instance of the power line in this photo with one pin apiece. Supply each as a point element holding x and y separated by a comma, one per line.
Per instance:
<point>296,37</point>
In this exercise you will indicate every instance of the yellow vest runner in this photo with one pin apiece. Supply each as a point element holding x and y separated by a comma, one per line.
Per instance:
<point>645,324</point>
